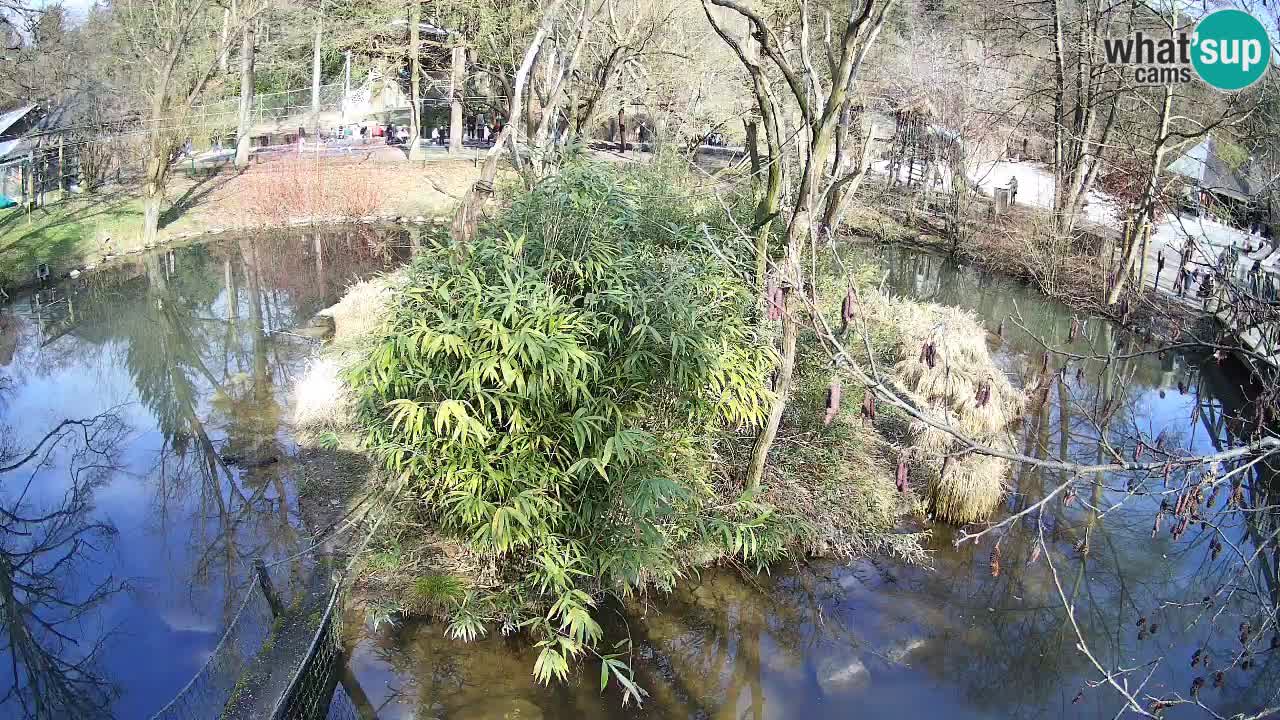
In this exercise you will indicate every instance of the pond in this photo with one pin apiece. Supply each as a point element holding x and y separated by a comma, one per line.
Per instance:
<point>878,639</point>
<point>128,535</point>
<point>126,542</point>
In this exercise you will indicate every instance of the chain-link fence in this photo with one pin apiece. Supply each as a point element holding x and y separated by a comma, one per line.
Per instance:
<point>282,656</point>
<point>207,693</point>
<point>310,691</point>
<point>267,106</point>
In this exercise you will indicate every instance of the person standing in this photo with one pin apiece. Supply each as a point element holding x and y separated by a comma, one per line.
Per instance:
<point>1159,268</point>
<point>1013,191</point>
<point>622,130</point>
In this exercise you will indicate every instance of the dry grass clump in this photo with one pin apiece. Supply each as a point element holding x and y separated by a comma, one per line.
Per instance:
<point>362,309</point>
<point>840,482</point>
<point>946,368</point>
<point>321,398</point>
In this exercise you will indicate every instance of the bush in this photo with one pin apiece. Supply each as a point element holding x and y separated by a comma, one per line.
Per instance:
<point>554,398</point>
<point>290,189</point>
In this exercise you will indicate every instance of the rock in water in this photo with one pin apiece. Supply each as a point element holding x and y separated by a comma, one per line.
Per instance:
<point>843,672</point>
<point>319,327</point>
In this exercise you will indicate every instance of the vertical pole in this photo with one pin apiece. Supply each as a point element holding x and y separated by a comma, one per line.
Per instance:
<point>346,84</point>
<point>456,86</point>
<point>244,131</point>
<point>315,74</point>
<point>622,129</point>
<point>28,187</point>
<point>415,70</point>
<point>62,168</point>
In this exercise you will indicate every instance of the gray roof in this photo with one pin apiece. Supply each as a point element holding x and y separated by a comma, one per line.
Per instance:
<point>9,118</point>
<point>1205,167</point>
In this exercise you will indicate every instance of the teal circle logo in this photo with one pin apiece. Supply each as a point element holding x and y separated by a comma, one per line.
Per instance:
<point>1230,49</point>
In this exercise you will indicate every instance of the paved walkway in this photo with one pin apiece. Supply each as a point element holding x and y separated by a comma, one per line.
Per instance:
<point>1209,237</point>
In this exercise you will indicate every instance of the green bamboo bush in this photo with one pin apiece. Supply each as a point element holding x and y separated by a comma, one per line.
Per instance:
<point>554,395</point>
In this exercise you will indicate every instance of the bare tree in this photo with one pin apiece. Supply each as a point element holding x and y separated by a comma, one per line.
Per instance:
<point>177,53</point>
<point>820,101</point>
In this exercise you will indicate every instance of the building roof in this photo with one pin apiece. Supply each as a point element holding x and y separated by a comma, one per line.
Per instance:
<point>8,119</point>
<point>1204,166</point>
<point>14,145</point>
<point>424,27</point>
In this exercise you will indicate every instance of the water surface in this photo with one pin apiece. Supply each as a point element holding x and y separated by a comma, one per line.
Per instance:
<point>880,640</point>
<point>128,537</point>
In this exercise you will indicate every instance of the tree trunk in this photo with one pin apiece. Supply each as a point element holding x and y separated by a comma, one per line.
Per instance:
<point>753,151</point>
<point>415,83</point>
<point>226,29</point>
<point>466,220</point>
<point>800,228</point>
<point>153,192</point>
<point>1140,216</point>
<point>457,68</point>
<point>244,132</point>
<point>530,121</point>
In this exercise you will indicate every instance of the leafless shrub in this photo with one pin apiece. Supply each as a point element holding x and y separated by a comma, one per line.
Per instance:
<point>297,189</point>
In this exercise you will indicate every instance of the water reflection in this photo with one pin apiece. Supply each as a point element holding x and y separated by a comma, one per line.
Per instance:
<point>818,640</point>
<point>190,350</point>
<point>45,547</point>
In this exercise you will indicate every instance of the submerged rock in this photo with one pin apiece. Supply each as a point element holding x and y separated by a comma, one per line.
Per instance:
<point>902,652</point>
<point>842,672</point>
<point>505,708</point>
<point>320,327</point>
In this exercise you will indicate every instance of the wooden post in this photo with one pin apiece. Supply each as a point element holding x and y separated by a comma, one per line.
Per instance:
<point>268,590</point>
<point>62,168</point>
<point>456,88</point>
<point>28,182</point>
<point>1000,203</point>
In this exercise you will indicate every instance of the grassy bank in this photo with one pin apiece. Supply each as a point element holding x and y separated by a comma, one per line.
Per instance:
<point>79,229</point>
<point>65,233</point>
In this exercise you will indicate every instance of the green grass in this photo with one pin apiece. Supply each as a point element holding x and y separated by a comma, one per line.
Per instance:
<point>66,233</point>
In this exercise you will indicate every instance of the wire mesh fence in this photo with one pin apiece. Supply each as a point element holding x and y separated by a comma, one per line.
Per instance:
<point>344,708</point>
<point>310,692</point>
<point>209,690</point>
<point>282,656</point>
<point>268,106</point>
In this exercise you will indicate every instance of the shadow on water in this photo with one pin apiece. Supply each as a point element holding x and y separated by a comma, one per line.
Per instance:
<point>126,541</point>
<point>878,640</point>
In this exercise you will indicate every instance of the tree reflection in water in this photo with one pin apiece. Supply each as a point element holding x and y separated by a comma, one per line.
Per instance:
<point>199,336</point>
<point>45,548</point>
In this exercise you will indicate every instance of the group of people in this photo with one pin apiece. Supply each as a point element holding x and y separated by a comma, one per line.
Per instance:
<point>1262,284</point>
<point>474,129</point>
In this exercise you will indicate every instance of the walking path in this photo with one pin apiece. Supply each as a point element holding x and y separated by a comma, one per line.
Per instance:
<point>1209,237</point>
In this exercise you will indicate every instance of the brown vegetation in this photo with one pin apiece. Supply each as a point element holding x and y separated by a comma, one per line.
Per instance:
<point>945,367</point>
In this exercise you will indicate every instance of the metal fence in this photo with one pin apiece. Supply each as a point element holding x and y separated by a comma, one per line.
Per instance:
<point>310,691</point>
<point>205,695</point>
<point>267,106</point>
